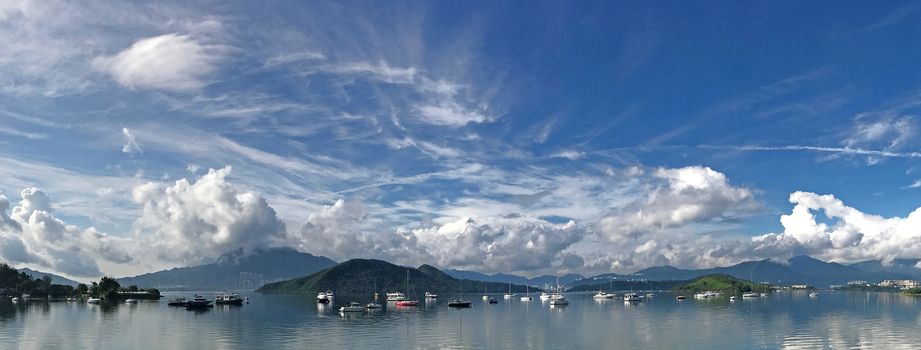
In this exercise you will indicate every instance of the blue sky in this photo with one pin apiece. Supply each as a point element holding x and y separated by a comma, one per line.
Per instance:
<point>523,137</point>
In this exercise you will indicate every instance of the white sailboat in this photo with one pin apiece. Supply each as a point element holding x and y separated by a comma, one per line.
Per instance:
<point>509,295</point>
<point>485,297</point>
<point>558,299</point>
<point>527,292</point>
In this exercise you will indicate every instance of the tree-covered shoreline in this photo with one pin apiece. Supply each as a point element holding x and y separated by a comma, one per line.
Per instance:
<point>14,283</point>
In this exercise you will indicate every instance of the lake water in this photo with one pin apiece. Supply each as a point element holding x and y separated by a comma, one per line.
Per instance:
<point>835,320</point>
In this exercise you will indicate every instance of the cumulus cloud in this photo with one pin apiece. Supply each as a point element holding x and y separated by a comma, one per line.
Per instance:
<point>492,244</point>
<point>31,234</point>
<point>850,235</point>
<point>168,62</point>
<point>684,195</point>
<point>196,222</point>
<point>131,145</point>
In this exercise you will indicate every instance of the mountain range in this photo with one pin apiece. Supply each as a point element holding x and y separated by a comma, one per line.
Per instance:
<point>366,276</point>
<point>796,270</point>
<point>506,278</point>
<point>235,271</point>
<point>55,279</point>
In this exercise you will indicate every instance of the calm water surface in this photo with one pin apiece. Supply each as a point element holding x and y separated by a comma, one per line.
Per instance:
<point>834,320</point>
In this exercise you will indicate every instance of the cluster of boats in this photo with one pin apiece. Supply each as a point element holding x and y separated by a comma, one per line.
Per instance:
<point>200,302</point>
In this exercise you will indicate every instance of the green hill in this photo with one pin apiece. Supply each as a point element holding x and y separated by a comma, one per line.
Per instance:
<point>723,283</point>
<point>359,276</point>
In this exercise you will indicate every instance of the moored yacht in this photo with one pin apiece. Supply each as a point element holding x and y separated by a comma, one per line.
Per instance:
<point>92,300</point>
<point>395,296</point>
<point>603,295</point>
<point>352,307</point>
<point>230,299</point>
<point>131,301</point>
<point>707,295</point>
<point>527,295</point>
<point>198,302</point>
<point>406,302</point>
<point>373,305</point>
<point>429,295</point>
<point>545,296</point>
<point>559,300</point>
<point>180,301</point>
<point>632,297</point>
<point>324,297</point>
<point>509,295</point>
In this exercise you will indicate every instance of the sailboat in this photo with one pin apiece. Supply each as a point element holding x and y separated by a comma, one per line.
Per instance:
<point>459,302</point>
<point>604,295</point>
<point>407,302</point>
<point>372,304</point>
<point>509,295</point>
<point>527,292</point>
<point>485,297</point>
<point>558,299</point>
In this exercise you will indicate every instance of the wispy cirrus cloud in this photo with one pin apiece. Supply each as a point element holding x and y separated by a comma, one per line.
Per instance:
<point>836,150</point>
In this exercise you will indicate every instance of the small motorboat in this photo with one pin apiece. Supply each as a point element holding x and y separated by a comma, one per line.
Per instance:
<point>198,302</point>
<point>180,301</point>
<point>131,301</point>
<point>559,300</point>
<point>732,298</point>
<point>15,299</point>
<point>324,297</point>
<point>681,297</point>
<point>813,294</point>
<point>545,296</point>
<point>492,301</point>
<point>372,305</point>
<point>632,297</point>
<point>93,301</point>
<point>458,303</point>
<point>408,303</point>
<point>352,307</point>
<point>763,295</point>
<point>429,295</point>
<point>228,299</point>
<point>650,295</point>
<point>751,295</point>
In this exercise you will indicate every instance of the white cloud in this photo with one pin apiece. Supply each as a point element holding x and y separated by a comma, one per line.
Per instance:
<point>510,243</point>
<point>32,235</point>
<point>29,135</point>
<point>131,145</point>
<point>888,133</point>
<point>381,71</point>
<point>196,222</point>
<point>684,195</point>
<point>851,235</point>
<point>167,62</point>
<point>451,114</point>
<point>569,154</point>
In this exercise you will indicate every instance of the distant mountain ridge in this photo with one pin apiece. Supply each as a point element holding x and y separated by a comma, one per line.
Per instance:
<point>360,276</point>
<point>506,278</point>
<point>797,270</point>
<point>55,279</point>
<point>263,266</point>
